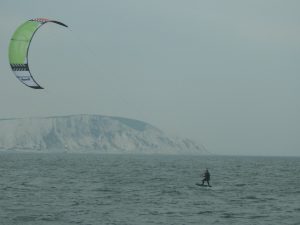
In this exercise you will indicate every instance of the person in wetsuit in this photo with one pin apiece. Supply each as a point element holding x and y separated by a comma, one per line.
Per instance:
<point>206,177</point>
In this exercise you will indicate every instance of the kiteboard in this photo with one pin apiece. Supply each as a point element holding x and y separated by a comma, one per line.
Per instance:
<point>203,185</point>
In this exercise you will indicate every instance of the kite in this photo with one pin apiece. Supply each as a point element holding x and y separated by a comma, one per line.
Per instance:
<point>19,46</point>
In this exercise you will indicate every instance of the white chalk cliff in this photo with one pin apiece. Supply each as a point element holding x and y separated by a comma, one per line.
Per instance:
<point>90,133</point>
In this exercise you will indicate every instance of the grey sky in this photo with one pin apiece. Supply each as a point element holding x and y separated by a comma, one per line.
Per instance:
<point>224,73</point>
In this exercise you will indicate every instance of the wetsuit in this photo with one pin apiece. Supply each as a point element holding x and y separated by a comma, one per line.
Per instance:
<point>206,178</point>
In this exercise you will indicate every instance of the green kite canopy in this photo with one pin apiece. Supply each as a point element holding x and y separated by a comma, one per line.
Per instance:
<point>19,46</point>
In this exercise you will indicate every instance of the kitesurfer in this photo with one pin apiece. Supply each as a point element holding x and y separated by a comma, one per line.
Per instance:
<point>206,177</point>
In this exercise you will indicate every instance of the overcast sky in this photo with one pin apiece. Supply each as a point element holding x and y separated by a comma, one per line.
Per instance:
<point>224,73</point>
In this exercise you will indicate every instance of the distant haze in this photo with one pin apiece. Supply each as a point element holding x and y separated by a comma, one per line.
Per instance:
<point>223,73</point>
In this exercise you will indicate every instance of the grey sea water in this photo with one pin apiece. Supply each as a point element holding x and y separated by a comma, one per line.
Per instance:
<point>62,189</point>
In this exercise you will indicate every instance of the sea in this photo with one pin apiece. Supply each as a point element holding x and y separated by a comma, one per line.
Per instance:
<point>92,189</point>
